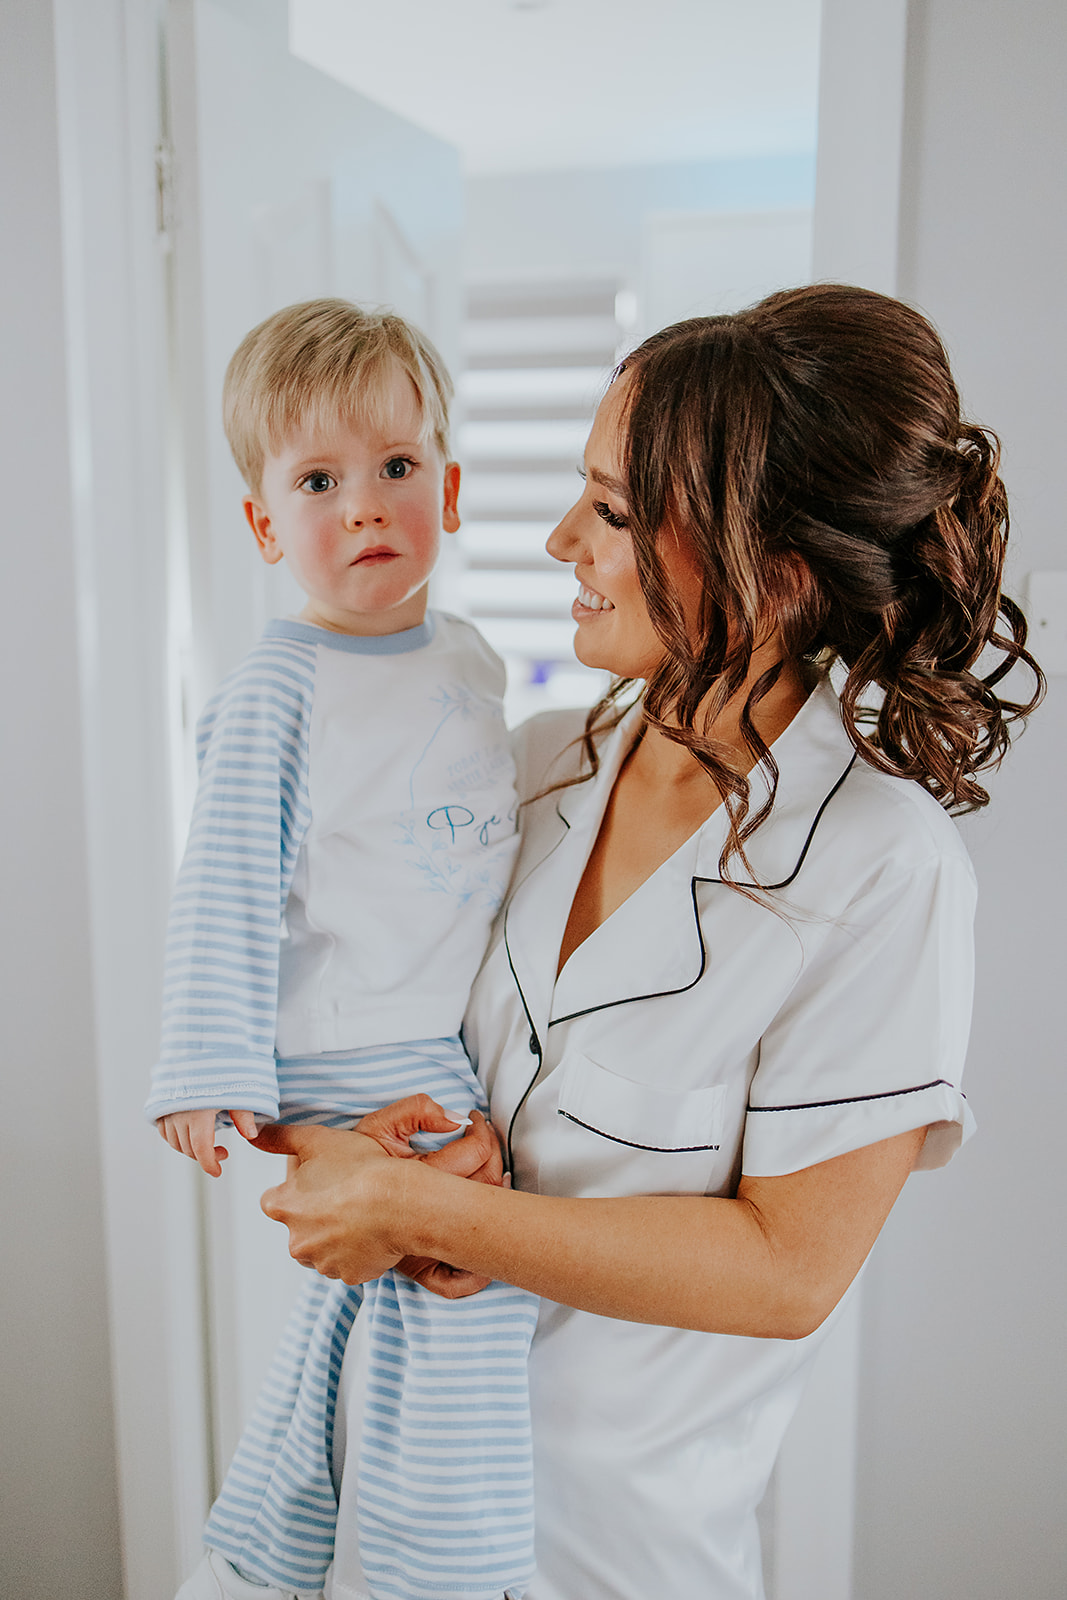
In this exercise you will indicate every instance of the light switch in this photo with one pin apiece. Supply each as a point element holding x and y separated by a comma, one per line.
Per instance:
<point>1046,612</point>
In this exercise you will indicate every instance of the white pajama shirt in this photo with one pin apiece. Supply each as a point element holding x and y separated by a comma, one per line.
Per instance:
<point>695,1036</point>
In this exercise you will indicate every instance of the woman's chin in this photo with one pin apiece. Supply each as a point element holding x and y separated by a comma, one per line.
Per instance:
<point>587,653</point>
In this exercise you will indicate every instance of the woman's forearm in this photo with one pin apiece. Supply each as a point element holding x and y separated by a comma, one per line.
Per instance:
<point>772,1262</point>
<point>689,1262</point>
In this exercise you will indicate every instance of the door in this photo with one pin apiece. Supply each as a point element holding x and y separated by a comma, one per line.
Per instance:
<point>287,187</point>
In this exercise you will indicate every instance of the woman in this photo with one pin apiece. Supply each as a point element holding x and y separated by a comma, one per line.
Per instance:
<point>726,1011</point>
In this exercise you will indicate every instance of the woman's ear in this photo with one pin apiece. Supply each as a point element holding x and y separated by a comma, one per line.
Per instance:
<point>259,522</point>
<point>450,514</point>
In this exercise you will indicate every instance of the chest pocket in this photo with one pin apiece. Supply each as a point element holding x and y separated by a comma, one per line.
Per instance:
<point>666,1142</point>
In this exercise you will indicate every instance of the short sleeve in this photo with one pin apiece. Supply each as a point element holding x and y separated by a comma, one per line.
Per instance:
<point>871,1041</point>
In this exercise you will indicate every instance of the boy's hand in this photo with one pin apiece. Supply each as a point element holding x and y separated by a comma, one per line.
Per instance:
<point>192,1133</point>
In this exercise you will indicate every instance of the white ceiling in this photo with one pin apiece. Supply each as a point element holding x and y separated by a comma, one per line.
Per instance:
<point>528,85</point>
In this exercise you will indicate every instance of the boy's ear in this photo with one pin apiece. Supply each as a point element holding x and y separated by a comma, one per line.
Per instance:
<point>259,522</point>
<point>450,515</point>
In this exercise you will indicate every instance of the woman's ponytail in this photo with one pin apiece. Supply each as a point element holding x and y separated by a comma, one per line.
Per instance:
<point>940,720</point>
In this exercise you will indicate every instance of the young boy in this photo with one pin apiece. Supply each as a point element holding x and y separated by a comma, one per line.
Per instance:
<point>353,834</point>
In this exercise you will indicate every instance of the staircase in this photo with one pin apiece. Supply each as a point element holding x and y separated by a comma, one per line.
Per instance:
<point>537,357</point>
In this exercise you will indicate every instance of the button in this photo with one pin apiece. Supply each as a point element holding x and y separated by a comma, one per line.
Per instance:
<point>535,1048</point>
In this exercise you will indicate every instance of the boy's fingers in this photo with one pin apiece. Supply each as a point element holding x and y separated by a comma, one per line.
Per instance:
<point>245,1123</point>
<point>202,1143</point>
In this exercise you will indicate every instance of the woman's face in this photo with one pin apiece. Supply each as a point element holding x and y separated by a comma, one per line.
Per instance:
<point>615,631</point>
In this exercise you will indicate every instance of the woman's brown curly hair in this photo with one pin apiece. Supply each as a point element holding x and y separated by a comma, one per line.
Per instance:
<point>811,452</point>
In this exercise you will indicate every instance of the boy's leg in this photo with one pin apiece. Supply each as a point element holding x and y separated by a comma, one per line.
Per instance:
<point>275,1517</point>
<point>215,1579</point>
<point>444,1476</point>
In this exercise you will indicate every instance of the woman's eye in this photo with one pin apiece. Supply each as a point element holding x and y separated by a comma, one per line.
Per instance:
<point>605,513</point>
<point>317,482</point>
<point>398,467</point>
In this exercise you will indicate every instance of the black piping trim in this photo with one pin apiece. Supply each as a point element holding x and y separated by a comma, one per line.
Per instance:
<point>664,1149</point>
<point>766,888</point>
<point>533,1030</point>
<point>855,1099</point>
<point>660,994</point>
<point>769,888</point>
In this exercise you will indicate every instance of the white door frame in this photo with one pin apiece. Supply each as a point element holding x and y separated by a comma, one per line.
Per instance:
<point>124,478</point>
<point>861,128</point>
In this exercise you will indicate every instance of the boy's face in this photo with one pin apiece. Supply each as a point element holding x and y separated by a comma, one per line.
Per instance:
<point>357,511</point>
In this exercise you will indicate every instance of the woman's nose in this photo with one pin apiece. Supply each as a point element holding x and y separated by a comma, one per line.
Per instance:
<point>563,542</point>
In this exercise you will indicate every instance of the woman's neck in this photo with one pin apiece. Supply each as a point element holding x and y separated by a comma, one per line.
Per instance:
<point>666,763</point>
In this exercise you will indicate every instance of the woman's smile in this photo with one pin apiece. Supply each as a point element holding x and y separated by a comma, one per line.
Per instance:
<point>589,600</point>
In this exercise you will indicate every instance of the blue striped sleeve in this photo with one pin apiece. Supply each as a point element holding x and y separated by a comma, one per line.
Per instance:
<point>220,993</point>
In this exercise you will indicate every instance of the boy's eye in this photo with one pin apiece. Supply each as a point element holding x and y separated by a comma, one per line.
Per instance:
<point>398,467</point>
<point>317,482</point>
<point>605,513</point>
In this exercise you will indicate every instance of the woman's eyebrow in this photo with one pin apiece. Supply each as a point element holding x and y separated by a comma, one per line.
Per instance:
<point>606,481</point>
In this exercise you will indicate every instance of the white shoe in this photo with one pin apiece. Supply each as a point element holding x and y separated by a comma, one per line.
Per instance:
<point>215,1579</point>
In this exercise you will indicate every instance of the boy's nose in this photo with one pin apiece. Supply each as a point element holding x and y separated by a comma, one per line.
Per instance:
<point>365,511</point>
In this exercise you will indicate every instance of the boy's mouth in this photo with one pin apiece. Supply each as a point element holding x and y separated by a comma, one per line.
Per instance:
<point>372,557</point>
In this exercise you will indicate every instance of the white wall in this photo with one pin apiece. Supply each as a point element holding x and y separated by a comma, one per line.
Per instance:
<point>59,1516</point>
<point>964,1400</point>
<point>588,223</point>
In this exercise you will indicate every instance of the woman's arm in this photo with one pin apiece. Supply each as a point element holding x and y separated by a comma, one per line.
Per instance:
<point>771,1263</point>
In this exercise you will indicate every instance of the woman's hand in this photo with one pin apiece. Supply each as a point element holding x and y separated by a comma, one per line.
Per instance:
<point>477,1155</point>
<point>340,1201</point>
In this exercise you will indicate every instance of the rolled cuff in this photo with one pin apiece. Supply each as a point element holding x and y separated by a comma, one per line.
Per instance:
<point>788,1138</point>
<point>215,1086</point>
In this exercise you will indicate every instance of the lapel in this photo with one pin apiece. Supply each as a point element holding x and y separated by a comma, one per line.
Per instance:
<point>560,832</point>
<point>653,944</point>
<point>814,757</point>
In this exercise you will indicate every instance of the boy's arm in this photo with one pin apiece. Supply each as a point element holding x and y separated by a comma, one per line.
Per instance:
<point>250,817</point>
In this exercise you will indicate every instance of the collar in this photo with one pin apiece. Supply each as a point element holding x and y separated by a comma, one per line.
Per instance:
<point>814,757</point>
<point>660,949</point>
<point>356,644</point>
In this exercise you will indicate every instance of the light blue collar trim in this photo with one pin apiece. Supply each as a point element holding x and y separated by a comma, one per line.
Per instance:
<point>362,644</point>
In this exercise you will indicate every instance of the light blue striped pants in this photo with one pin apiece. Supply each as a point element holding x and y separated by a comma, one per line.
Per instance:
<point>445,1477</point>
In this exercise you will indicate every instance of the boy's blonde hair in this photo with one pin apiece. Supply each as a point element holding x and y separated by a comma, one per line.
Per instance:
<point>320,360</point>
